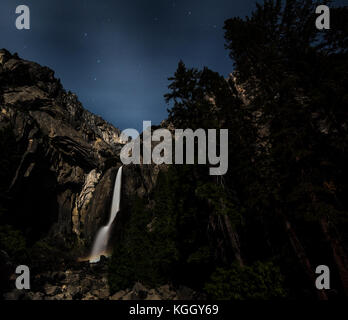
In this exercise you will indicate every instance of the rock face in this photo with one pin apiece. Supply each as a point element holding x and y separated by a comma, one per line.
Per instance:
<point>63,183</point>
<point>66,152</point>
<point>68,156</point>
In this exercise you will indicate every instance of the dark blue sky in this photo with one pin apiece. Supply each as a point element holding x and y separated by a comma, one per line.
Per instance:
<point>116,55</point>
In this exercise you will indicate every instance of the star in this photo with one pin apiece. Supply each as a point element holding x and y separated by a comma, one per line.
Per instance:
<point>98,61</point>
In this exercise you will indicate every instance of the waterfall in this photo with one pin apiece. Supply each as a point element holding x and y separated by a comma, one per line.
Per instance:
<point>102,238</point>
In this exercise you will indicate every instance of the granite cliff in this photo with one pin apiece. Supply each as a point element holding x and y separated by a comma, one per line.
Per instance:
<point>66,153</point>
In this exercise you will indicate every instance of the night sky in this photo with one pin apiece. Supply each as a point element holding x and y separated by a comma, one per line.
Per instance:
<point>116,55</point>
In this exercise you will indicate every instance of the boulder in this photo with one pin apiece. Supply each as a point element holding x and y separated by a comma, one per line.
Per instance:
<point>14,295</point>
<point>118,295</point>
<point>139,292</point>
<point>35,296</point>
<point>52,290</point>
<point>86,285</point>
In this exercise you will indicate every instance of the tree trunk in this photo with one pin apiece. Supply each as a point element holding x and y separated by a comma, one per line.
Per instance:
<point>301,255</point>
<point>234,240</point>
<point>226,239</point>
<point>338,253</point>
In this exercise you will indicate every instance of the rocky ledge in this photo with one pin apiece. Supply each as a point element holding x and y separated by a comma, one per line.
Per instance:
<point>89,282</point>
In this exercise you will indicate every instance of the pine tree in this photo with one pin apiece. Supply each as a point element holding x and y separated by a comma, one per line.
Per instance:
<point>294,75</point>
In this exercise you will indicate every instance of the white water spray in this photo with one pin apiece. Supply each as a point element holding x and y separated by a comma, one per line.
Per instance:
<point>103,235</point>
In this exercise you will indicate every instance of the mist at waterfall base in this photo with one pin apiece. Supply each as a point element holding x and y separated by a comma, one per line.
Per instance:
<point>100,245</point>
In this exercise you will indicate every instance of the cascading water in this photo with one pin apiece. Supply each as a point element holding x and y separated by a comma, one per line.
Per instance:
<point>102,238</point>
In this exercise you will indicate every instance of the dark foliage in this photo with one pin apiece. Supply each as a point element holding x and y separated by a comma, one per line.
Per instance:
<point>284,193</point>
